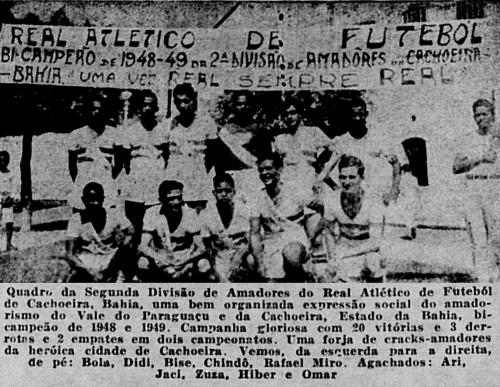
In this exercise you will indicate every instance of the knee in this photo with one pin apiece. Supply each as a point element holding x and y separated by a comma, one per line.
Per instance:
<point>143,263</point>
<point>294,256</point>
<point>312,223</point>
<point>204,266</point>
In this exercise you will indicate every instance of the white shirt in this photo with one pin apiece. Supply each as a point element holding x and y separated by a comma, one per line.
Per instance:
<point>371,151</point>
<point>234,235</point>
<point>285,211</point>
<point>302,146</point>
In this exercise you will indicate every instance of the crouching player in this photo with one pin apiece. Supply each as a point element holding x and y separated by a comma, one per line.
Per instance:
<point>353,224</point>
<point>225,232</point>
<point>171,248</point>
<point>99,240</point>
<point>278,239</point>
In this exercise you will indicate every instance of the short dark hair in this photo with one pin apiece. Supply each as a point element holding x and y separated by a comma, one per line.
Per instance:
<point>185,89</point>
<point>167,186</point>
<point>93,186</point>
<point>275,157</point>
<point>223,178</point>
<point>483,102</point>
<point>347,161</point>
<point>148,94</point>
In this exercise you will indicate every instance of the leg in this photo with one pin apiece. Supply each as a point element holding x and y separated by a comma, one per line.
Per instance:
<point>134,211</point>
<point>374,268</point>
<point>491,216</point>
<point>9,229</point>
<point>294,257</point>
<point>475,216</point>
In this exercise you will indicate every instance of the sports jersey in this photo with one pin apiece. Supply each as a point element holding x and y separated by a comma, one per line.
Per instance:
<point>355,231</point>
<point>281,222</point>
<point>230,245</point>
<point>286,210</point>
<point>147,165</point>
<point>98,248</point>
<point>93,163</point>
<point>302,146</point>
<point>235,235</point>
<point>180,241</point>
<point>371,151</point>
<point>186,162</point>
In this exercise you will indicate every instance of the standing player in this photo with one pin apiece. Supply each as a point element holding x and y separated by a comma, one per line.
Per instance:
<point>225,231</point>
<point>146,143</point>
<point>87,161</point>
<point>383,169</point>
<point>353,248</point>
<point>171,246</point>
<point>190,133</point>
<point>100,238</point>
<point>245,140</point>
<point>277,216</point>
<point>478,162</point>
<point>298,144</point>
<point>8,196</point>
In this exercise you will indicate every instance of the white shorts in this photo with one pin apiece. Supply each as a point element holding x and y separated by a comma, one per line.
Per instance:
<point>272,267</point>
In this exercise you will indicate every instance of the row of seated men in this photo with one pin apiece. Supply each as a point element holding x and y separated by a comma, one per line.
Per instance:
<point>283,233</point>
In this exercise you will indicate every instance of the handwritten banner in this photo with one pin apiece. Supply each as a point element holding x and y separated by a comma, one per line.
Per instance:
<point>357,57</point>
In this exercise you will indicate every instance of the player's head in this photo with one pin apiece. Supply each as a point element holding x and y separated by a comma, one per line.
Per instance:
<point>185,99</point>
<point>170,194</point>
<point>292,114</point>
<point>93,196</point>
<point>223,188</point>
<point>148,103</point>
<point>351,173</point>
<point>269,166</point>
<point>357,116</point>
<point>313,109</point>
<point>4,160</point>
<point>359,111</point>
<point>483,114</point>
<point>241,101</point>
<point>95,108</point>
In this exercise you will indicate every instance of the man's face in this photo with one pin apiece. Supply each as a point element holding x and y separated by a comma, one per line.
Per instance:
<point>148,106</point>
<point>173,200</point>
<point>268,173</point>
<point>224,193</point>
<point>291,118</point>
<point>483,117</point>
<point>314,111</point>
<point>350,179</point>
<point>241,105</point>
<point>359,114</point>
<point>4,160</point>
<point>96,112</point>
<point>358,119</point>
<point>185,104</point>
<point>92,200</point>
